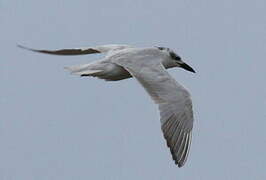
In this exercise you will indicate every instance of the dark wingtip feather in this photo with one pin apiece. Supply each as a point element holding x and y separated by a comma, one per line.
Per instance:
<point>63,52</point>
<point>175,159</point>
<point>23,47</point>
<point>30,49</point>
<point>178,158</point>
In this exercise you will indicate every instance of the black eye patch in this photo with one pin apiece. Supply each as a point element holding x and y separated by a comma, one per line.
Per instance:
<point>174,56</point>
<point>161,48</point>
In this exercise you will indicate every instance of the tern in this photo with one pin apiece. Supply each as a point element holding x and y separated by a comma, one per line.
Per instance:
<point>148,66</point>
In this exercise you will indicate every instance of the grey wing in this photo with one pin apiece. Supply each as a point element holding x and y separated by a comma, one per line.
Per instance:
<point>174,104</point>
<point>79,51</point>
<point>177,123</point>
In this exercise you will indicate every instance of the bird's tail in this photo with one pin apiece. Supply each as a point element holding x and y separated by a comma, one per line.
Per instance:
<point>83,70</point>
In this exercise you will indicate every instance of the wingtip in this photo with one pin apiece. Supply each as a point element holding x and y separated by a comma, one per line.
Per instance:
<point>20,46</point>
<point>179,165</point>
<point>24,47</point>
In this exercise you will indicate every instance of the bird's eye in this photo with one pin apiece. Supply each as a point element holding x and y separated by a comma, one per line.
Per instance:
<point>161,48</point>
<point>178,58</point>
<point>175,56</point>
<point>172,55</point>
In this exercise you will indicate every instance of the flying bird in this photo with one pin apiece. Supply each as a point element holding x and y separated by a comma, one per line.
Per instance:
<point>148,66</point>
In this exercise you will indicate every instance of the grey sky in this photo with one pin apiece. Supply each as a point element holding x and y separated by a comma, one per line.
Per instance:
<point>57,126</point>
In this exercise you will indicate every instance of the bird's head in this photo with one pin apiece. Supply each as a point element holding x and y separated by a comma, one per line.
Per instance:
<point>176,59</point>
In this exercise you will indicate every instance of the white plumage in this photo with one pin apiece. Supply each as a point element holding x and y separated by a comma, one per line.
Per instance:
<point>148,66</point>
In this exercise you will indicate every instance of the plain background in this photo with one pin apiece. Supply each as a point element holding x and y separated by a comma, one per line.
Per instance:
<point>57,126</point>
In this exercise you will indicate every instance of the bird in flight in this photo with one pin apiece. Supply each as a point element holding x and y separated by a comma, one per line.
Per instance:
<point>148,66</point>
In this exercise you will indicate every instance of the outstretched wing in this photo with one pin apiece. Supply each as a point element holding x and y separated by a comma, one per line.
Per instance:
<point>174,102</point>
<point>79,51</point>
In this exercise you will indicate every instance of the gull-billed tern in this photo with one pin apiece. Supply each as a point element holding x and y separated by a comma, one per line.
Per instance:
<point>148,66</point>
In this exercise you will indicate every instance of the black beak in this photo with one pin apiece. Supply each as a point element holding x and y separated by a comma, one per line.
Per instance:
<point>187,67</point>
